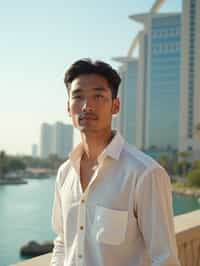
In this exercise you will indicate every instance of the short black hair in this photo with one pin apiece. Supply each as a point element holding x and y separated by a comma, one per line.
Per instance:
<point>87,66</point>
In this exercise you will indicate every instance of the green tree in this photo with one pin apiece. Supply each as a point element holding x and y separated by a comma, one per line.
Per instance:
<point>54,161</point>
<point>197,130</point>
<point>194,177</point>
<point>167,163</point>
<point>180,168</point>
<point>16,164</point>
<point>196,165</point>
<point>184,155</point>
<point>3,164</point>
<point>153,148</point>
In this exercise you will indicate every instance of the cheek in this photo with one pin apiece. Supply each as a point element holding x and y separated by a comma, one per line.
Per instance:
<point>74,108</point>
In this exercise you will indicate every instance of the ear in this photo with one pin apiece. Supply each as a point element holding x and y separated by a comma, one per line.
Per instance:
<point>68,108</point>
<point>116,106</point>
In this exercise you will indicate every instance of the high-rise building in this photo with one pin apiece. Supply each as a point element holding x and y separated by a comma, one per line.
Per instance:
<point>62,136</point>
<point>190,76</point>
<point>141,112</point>
<point>125,121</point>
<point>45,140</point>
<point>56,139</point>
<point>158,80</point>
<point>34,150</point>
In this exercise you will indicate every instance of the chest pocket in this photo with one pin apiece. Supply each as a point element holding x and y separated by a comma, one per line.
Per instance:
<point>109,226</point>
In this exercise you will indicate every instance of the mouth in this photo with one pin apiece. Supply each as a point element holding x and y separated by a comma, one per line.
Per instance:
<point>87,117</point>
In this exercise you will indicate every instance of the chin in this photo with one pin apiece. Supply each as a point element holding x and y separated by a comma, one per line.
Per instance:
<point>85,129</point>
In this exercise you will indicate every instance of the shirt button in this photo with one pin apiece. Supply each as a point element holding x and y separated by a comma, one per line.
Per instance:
<point>80,256</point>
<point>82,201</point>
<point>81,227</point>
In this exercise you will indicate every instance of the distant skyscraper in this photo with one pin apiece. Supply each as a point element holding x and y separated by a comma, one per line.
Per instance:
<point>125,121</point>
<point>34,150</point>
<point>190,75</point>
<point>56,139</point>
<point>158,80</point>
<point>45,140</point>
<point>62,139</point>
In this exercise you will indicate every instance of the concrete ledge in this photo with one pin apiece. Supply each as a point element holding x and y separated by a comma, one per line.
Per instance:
<point>43,260</point>
<point>187,227</point>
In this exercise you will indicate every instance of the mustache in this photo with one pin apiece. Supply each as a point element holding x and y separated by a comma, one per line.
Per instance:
<point>88,115</point>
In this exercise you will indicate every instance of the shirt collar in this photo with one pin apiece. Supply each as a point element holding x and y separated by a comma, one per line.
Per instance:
<point>113,149</point>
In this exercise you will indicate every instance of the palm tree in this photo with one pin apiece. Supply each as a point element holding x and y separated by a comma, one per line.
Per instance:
<point>165,161</point>
<point>197,130</point>
<point>3,164</point>
<point>184,155</point>
<point>196,135</point>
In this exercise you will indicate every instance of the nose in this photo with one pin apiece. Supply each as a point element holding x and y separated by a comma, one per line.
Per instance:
<point>88,105</point>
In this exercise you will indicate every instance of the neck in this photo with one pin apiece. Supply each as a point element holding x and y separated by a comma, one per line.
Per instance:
<point>94,143</point>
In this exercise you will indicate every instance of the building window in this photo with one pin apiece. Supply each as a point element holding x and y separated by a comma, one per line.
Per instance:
<point>191,94</point>
<point>191,46</point>
<point>192,30</point>
<point>191,59</point>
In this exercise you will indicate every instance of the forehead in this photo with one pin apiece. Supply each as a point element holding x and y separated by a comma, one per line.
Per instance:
<point>89,81</point>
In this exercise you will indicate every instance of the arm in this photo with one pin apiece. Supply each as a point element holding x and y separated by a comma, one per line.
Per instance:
<point>155,216</point>
<point>58,254</point>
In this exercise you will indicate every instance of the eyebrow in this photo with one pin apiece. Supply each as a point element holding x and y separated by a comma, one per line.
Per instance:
<point>79,90</point>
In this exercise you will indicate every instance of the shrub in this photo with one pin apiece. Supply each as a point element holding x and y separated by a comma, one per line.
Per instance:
<point>194,177</point>
<point>196,165</point>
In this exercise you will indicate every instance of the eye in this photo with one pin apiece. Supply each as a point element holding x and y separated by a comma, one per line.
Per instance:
<point>77,97</point>
<point>99,96</point>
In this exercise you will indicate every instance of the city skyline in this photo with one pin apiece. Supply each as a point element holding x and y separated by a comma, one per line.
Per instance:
<point>39,43</point>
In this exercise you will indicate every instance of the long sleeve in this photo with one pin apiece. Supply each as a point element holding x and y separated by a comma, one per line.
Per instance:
<point>58,254</point>
<point>155,216</point>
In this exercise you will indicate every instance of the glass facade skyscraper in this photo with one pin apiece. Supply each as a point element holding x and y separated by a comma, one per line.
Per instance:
<point>164,81</point>
<point>159,80</point>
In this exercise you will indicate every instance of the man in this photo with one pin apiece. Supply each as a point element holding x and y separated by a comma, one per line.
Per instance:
<point>113,204</point>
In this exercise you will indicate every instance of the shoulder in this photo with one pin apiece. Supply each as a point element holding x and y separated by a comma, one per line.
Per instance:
<point>149,171</point>
<point>149,174</point>
<point>140,161</point>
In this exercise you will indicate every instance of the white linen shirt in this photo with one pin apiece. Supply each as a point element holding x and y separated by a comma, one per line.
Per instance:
<point>124,217</point>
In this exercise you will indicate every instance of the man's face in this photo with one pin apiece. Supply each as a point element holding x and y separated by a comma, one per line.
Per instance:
<point>90,103</point>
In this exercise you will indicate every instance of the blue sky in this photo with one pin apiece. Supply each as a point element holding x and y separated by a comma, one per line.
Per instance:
<point>39,40</point>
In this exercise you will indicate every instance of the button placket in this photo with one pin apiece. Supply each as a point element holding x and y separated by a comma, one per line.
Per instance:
<point>81,231</point>
<point>82,221</point>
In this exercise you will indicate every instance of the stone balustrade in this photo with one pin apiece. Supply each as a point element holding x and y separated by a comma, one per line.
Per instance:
<point>187,227</point>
